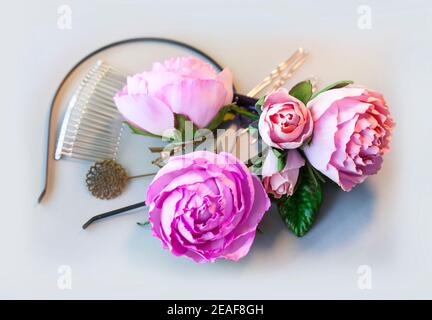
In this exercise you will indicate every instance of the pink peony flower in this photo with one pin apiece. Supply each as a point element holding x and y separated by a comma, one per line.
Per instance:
<point>283,182</point>
<point>206,206</point>
<point>184,85</point>
<point>352,132</point>
<point>285,122</point>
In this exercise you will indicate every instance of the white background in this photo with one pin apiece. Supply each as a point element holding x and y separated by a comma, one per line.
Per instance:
<point>384,223</point>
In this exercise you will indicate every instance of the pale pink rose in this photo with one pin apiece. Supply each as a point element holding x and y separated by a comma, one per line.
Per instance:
<point>283,182</point>
<point>285,122</point>
<point>352,132</point>
<point>184,85</point>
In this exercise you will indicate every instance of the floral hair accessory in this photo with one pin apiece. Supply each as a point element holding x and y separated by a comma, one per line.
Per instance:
<point>352,129</point>
<point>207,205</point>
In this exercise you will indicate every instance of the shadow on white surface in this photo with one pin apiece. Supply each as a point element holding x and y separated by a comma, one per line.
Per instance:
<point>343,216</point>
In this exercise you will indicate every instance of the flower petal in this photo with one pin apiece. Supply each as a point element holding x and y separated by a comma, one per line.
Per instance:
<point>264,131</point>
<point>227,79</point>
<point>199,100</point>
<point>145,112</point>
<point>327,99</point>
<point>190,67</point>
<point>270,165</point>
<point>239,247</point>
<point>156,80</point>
<point>260,206</point>
<point>276,97</point>
<point>322,146</point>
<point>294,160</point>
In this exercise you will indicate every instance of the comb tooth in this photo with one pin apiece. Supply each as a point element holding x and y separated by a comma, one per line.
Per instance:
<point>101,113</point>
<point>113,81</point>
<point>98,111</point>
<point>107,76</point>
<point>96,103</point>
<point>85,154</point>
<point>92,126</point>
<point>114,74</point>
<point>91,145</point>
<point>88,149</point>
<point>85,134</point>
<point>90,131</point>
<point>100,102</point>
<point>87,157</point>
<point>96,133</point>
<point>76,121</point>
<point>107,97</point>
<point>103,98</point>
<point>110,82</point>
<point>92,118</point>
<point>106,92</point>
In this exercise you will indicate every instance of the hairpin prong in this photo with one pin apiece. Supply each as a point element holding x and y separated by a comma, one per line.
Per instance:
<point>279,74</point>
<point>285,76</point>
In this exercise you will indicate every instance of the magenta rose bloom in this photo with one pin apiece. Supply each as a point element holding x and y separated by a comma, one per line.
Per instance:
<point>184,85</point>
<point>280,183</point>
<point>352,131</point>
<point>285,122</point>
<point>206,206</point>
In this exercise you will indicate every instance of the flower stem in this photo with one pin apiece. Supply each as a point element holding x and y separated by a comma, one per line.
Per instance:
<point>244,112</point>
<point>245,101</point>
<point>113,213</point>
<point>142,175</point>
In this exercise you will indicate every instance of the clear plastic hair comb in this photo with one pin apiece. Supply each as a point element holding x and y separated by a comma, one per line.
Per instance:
<point>92,125</point>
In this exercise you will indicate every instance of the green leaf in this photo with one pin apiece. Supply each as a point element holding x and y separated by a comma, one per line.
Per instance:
<point>281,156</point>
<point>299,210</point>
<point>143,224</point>
<point>180,122</point>
<point>302,91</point>
<point>259,104</point>
<point>260,101</point>
<point>219,118</point>
<point>318,175</point>
<point>257,168</point>
<point>281,164</point>
<point>336,85</point>
<point>278,153</point>
<point>240,110</point>
<point>135,130</point>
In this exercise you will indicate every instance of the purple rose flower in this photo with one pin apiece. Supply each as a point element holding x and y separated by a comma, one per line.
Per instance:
<point>206,206</point>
